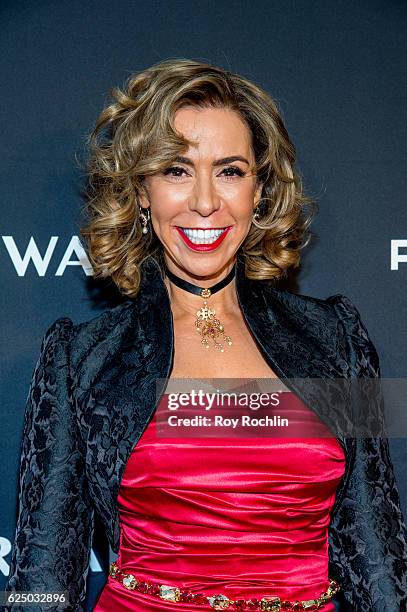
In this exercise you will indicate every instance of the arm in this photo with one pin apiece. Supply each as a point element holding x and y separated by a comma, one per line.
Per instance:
<point>368,535</point>
<point>55,517</point>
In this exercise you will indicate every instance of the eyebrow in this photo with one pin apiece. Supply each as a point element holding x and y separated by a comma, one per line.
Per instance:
<point>217,162</point>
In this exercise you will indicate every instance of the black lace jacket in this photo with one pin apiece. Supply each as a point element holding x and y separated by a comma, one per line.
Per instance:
<point>93,392</point>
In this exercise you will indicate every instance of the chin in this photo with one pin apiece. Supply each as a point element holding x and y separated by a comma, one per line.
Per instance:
<point>204,268</point>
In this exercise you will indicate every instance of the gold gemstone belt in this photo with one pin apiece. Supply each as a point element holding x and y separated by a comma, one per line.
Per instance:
<point>220,602</point>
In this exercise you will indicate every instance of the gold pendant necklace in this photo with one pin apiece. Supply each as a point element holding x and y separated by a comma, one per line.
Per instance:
<point>206,324</point>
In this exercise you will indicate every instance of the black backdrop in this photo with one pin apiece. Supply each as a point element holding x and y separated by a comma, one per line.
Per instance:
<point>338,72</point>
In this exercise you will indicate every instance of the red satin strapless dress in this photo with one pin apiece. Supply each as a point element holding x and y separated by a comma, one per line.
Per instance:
<point>247,518</point>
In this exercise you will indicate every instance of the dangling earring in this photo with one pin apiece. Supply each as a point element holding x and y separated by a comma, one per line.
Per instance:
<point>258,212</point>
<point>256,215</point>
<point>144,218</point>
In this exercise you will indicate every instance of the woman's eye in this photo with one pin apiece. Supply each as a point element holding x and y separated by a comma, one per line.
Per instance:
<point>229,172</point>
<point>173,169</point>
<point>235,171</point>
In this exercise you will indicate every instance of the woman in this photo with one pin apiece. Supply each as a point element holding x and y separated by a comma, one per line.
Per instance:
<point>192,187</point>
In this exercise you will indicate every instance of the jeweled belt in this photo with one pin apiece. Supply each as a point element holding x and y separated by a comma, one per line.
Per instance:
<point>220,602</point>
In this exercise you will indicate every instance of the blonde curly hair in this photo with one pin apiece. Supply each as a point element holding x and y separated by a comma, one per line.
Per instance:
<point>134,137</point>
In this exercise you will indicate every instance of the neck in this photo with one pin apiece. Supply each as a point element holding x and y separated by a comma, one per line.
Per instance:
<point>183,302</point>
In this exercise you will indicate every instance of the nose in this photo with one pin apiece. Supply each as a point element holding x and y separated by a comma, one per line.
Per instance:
<point>204,198</point>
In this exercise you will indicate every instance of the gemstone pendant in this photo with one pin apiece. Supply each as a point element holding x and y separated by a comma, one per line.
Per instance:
<point>210,328</point>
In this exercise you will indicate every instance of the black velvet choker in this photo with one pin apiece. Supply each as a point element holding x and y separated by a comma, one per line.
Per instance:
<point>206,324</point>
<point>187,286</point>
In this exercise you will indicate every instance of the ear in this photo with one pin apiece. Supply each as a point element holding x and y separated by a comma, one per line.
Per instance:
<point>143,196</point>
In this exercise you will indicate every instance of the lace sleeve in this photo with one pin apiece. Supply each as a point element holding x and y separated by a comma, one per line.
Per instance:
<point>54,528</point>
<point>368,536</point>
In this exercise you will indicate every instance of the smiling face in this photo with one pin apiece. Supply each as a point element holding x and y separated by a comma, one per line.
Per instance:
<point>202,205</point>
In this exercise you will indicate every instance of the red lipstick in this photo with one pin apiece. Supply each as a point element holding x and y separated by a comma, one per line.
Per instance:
<point>203,247</point>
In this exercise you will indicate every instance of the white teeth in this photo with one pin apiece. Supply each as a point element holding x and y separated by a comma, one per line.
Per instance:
<point>201,236</point>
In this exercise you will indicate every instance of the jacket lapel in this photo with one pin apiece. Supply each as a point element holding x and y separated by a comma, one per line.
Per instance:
<point>296,337</point>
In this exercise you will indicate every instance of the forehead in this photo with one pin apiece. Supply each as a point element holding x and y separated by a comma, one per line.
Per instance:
<point>214,129</point>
